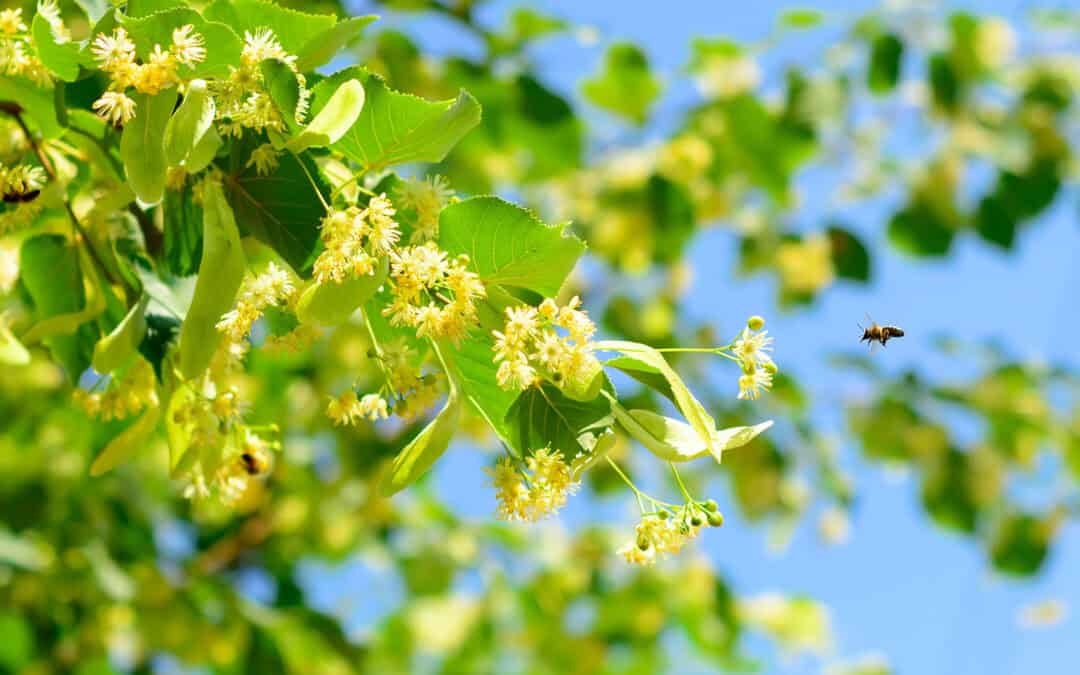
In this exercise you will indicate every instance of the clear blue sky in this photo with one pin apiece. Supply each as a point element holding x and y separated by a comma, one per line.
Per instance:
<point>923,597</point>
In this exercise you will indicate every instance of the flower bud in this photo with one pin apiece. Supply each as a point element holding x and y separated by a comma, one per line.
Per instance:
<point>696,521</point>
<point>663,515</point>
<point>770,367</point>
<point>716,519</point>
<point>755,323</point>
<point>710,506</point>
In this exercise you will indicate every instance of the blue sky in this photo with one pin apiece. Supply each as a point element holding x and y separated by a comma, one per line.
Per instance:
<point>924,597</point>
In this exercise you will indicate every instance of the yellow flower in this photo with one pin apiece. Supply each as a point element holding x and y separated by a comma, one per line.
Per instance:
<point>752,348</point>
<point>344,409</point>
<point>753,383</point>
<point>529,348</point>
<point>112,50</point>
<point>11,22</point>
<point>48,10</point>
<point>262,45</point>
<point>373,407</point>
<point>116,107</point>
<point>188,47</point>
<point>433,294</point>
<point>427,199</point>
<point>510,491</point>
<point>549,483</point>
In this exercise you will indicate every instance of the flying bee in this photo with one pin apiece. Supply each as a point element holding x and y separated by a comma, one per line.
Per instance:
<point>880,334</point>
<point>255,463</point>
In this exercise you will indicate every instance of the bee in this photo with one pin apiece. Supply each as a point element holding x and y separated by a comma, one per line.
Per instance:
<point>880,334</point>
<point>255,463</point>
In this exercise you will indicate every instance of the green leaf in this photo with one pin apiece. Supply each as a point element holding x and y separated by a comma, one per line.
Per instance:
<point>220,274</point>
<point>16,641</point>
<point>37,103</point>
<point>141,145</point>
<point>141,8</point>
<point>62,60</point>
<point>183,232</point>
<point>189,123</point>
<point>223,44</point>
<point>920,231</point>
<point>689,406</point>
<point>543,417</point>
<point>96,9</point>
<point>296,31</point>
<point>428,446</point>
<point>886,54</point>
<point>472,363</point>
<point>675,441</point>
<point>625,86</point>
<point>333,121</point>
<point>51,271</point>
<point>1020,544</point>
<point>850,258</point>
<point>395,128</point>
<point>330,303</point>
<point>12,352</point>
<point>284,88</point>
<point>324,47</point>
<point>130,440</point>
<point>204,151</point>
<point>281,209</point>
<point>508,246</point>
<point>644,373</point>
<point>114,349</point>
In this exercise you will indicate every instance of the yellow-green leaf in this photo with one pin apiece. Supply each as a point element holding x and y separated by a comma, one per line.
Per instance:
<point>336,118</point>
<point>127,443</point>
<point>142,146</point>
<point>331,303</point>
<point>428,446</point>
<point>189,123</point>
<point>113,350</point>
<point>220,273</point>
<point>12,352</point>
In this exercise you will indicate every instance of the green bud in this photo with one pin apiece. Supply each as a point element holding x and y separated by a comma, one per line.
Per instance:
<point>663,515</point>
<point>716,519</point>
<point>696,520</point>
<point>711,506</point>
<point>770,367</point>
<point>643,543</point>
<point>755,323</point>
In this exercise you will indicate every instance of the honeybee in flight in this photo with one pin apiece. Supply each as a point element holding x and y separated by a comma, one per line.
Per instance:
<point>879,334</point>
<point>254,463</point>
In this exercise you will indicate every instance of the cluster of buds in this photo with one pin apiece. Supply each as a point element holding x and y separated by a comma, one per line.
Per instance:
<point>663,533</point>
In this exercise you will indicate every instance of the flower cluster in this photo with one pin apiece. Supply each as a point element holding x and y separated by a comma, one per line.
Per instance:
<point>115,54</point>
<point>269,289</point>
<point>125,395</point>
<point>355,239</point>
<point>242,99</point>
<point>805,266</point>
<point>752,349</point>
<point>18,57</point>
<point>347,408</point>
<point>433,294</point>
<point>538,494</point>
<point>426,198</point>
<point>530,347</point>
<point>21,182</point>
<point>662,533</point>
